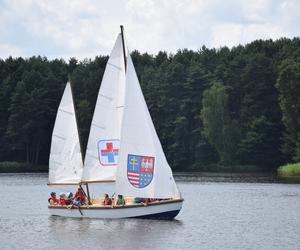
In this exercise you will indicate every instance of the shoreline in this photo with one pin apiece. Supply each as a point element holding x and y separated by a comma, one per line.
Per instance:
<point>256,177</point>
<point>210,177</point>
<point>227,177</point>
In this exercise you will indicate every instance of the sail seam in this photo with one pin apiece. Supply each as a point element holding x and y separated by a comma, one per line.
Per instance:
<point>106,97</point>
<point>98,126</point>
<point>115,66</point>
<point>92,155</point>
<point>58,163</point>
<point>59,137</point>
<point>67,112</point>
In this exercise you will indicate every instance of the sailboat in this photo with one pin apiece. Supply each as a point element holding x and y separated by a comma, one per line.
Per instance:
<point>123,148</point>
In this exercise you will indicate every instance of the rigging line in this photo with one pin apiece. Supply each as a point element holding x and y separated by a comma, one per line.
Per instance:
<point>124,52</point>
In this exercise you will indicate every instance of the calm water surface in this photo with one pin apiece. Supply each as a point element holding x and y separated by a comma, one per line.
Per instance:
<point>214,216</point>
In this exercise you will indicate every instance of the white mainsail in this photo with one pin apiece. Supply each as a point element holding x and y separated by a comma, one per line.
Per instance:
<point>143,170</point>
<point>102,151</point>
<point>65,162</point>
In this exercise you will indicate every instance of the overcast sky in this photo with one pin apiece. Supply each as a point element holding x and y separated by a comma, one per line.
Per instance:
<point>86,28</point>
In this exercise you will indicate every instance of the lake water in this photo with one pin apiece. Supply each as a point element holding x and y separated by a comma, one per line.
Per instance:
<point>214,216</point>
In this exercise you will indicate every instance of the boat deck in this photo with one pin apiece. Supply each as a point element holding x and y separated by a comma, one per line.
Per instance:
<point>99,206</point>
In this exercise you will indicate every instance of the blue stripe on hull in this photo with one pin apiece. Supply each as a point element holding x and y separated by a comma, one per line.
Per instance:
<point>161,216</point>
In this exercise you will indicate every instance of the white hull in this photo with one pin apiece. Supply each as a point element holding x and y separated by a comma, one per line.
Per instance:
<point>159,210</point>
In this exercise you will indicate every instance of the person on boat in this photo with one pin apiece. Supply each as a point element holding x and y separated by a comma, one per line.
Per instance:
<point>80,194</point>
<point>53,200</point>
<point>120,200</point>
<point>62,199</point>
<point>70,198</point>
<point>76,202</point>
<point>143,201</point>
<point>152,200</point>
<point>139,200</point>
<point>107,201</point>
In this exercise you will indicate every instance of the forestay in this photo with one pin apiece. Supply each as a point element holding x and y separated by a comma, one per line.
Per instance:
<point>102,152</point>
<point>143,169</point>
<point>65,163</point>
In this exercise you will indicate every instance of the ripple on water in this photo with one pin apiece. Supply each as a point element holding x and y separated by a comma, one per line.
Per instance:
<point>214,216</point>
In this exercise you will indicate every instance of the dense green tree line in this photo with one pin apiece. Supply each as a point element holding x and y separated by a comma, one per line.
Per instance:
<point>211,107</point>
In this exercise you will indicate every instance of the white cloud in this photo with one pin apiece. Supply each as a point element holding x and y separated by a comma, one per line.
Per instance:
<point>7,50</point>
<point>83,28</point>
<point>231,34</point>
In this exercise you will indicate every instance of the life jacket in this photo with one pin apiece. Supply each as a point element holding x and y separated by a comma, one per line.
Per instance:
<point>107,201</point>
<point>62,201</point>
<point>81,196</point>
<point>53,200</point>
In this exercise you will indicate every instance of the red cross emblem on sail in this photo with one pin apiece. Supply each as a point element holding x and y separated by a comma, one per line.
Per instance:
<point>108,152</point>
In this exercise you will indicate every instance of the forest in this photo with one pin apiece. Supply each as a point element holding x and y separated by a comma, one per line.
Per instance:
<point>219,109</point>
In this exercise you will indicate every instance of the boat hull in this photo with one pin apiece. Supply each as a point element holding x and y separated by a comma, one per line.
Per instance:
<point>156,210</point>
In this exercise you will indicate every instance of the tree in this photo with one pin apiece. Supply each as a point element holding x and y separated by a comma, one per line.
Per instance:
<point>258,103</point>
<point>218,128</point>
<point>17,129</point>
<point>288,84</point>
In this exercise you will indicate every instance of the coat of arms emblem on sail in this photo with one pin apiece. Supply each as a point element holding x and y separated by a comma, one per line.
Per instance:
<point>140,170</point>
<point>108,151</point>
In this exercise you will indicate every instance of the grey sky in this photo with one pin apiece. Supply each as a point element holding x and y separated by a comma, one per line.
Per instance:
<point>86,28</point>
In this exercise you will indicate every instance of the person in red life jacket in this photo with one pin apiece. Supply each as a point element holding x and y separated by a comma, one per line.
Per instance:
<point>53,200</point>
<point>107,201</point>
<point>62,199</point>
<point>80,194</point>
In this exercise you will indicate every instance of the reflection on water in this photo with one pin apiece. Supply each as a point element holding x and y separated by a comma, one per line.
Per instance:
<point>214,216</point>
<point>119,234</point>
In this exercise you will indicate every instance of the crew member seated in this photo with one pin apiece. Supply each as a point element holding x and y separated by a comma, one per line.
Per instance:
<point>53,200</point>
<point>76,202</point>
<point>139,200</point>
<point>80,194</point>
<point>62,199</point>
<point>120,200</point>
<point>107,201</point>
<point>70,198</point>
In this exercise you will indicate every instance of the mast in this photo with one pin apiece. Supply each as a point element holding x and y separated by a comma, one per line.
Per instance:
<point>124,52</point>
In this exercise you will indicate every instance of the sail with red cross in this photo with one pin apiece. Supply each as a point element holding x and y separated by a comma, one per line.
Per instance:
<point>102,152</point>
<point>108,151</point>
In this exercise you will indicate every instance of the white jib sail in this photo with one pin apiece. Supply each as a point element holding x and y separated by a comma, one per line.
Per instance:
<point>102,151</point>
<point>143,169</point>
<point>65,162</point>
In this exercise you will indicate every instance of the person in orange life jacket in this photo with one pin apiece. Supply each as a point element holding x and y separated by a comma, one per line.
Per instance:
<point>107,201</point>
<point>53,200</point>
<point>80,194</point>
<point>62,199</point>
